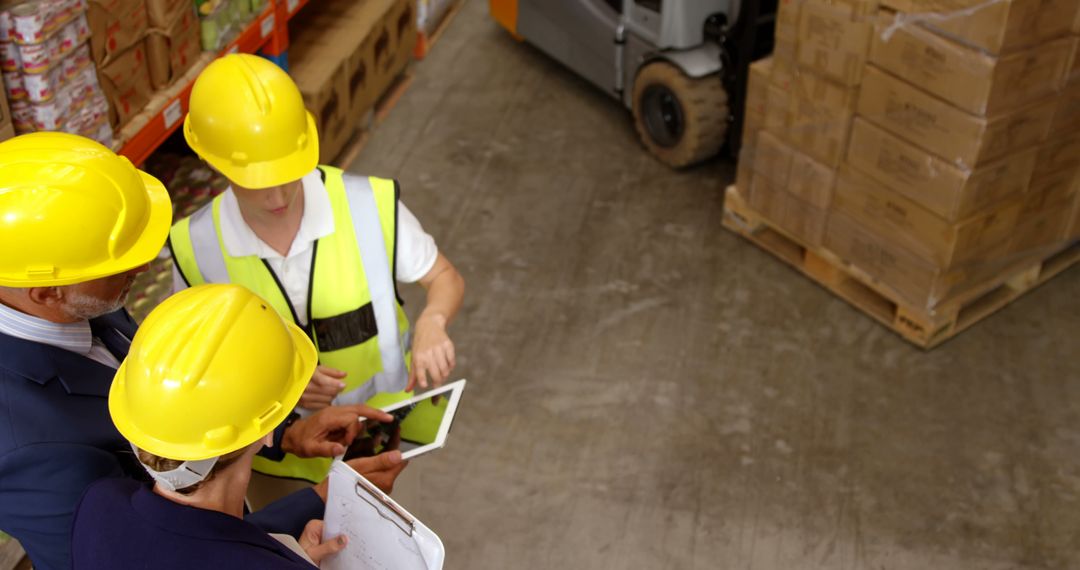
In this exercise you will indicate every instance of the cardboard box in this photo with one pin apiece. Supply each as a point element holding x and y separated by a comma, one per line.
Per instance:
<point>820,116</point>
<point>172,50</point>
<point>772,158</point>
<point>392,59</point>
<point>957,136</point>
<point>778,103</point>
<point>792,171</point>
<point>1073,75</point>
<point>1073,231</point>
<point>757,88</point>
<point>115,26</point>
<point>949,191</point>
<point>811,181</point>
<point>1048,189</point>
<point>6,120</point>
<point>935,6</point>
<point>834,38</point>
<point>973,80</point>
<point>787,211</point>
<point>320,72</point>
<point>1058,154</point>
<point>374,40</point>
<point>787,20</point>
<point>333,60</point>
<point>1044,231</point>
<point>939,241</point>
<point>363,93</point>
<point>164,13</point>
<point>912,278</point>
<point>126,84</point>
<point>783,68</point>
<point>1066,119</point>
<point>1000,26</point>
<point>7,123</point>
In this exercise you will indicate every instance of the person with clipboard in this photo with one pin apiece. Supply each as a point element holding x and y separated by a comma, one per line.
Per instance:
<point>212,371</point>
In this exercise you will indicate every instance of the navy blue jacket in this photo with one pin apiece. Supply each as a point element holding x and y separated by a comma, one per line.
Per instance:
<point>123,524</point>
<point>56,437</point>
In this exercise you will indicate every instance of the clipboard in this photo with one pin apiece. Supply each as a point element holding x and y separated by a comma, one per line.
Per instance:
<point>382,534</point>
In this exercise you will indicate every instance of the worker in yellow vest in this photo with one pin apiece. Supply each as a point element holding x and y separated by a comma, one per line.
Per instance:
<point>325,248</point>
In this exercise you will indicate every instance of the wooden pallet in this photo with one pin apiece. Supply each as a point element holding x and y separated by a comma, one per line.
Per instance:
<point>424,41</point>
<point>925,328</point>
<point>375,117</point>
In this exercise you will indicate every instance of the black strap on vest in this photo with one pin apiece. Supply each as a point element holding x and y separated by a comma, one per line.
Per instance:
<point>345,330</point>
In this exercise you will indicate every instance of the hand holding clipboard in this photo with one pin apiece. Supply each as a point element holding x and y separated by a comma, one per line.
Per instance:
<point>382,534</point>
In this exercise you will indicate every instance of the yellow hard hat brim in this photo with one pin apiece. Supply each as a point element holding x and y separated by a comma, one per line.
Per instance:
<point>307,360</point>
<point>158,224</point>
<point>255,175</point>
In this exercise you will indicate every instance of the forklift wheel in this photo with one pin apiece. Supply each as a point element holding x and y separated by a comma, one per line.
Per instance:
<point>680,120</point>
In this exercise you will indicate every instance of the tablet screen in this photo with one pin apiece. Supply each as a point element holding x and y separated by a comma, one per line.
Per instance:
<point>420,425</point>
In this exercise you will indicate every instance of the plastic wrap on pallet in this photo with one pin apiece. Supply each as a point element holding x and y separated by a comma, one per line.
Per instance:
<point>931,145</point>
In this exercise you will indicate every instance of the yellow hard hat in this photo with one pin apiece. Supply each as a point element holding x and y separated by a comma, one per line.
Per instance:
<point>212,369</point>
<point>71,210</point>
<point>247,119</point>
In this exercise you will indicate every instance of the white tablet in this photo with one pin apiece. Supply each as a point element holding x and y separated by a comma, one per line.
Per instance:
<point>421,424</point>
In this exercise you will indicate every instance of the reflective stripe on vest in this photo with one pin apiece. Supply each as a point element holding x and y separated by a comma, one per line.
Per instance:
<point>351,296</point>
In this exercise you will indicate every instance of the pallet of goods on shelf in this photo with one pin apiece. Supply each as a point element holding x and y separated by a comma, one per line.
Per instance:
<point>173,43</point>
<point>165,109</point>
<point>118,45</point>
<point>49,75</point>
<point>344,56</point>
<point>928,161</point>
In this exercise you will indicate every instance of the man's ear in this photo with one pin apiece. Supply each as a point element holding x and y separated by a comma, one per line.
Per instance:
<point>50,297</point>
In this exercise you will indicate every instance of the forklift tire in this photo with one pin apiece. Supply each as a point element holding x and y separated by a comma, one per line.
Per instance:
<point>680,120</point>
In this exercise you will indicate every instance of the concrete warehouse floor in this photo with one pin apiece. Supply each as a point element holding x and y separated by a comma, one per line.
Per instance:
<point>650,391</point>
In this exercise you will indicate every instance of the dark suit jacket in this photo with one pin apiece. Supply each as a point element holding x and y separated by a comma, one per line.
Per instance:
<point>123,524</point>
<point>56,437</point>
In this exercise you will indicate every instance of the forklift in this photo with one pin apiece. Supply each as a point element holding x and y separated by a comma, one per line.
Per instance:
<point>679,66</point>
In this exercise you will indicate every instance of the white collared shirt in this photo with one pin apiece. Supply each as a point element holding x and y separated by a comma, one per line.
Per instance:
<point>416,250</point>
<point>74,337</point>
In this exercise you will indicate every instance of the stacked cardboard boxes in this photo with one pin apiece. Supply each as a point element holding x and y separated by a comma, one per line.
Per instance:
<point>118,45</point>
<point>933,151</point>
<point>344,55</point>
<point>173,42</point>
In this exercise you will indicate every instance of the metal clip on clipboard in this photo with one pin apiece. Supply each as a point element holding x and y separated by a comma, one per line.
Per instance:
<point>374,524</point>
<point>372,494</point>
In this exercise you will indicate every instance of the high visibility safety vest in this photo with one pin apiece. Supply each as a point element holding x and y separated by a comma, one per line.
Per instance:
<point>352,295</point>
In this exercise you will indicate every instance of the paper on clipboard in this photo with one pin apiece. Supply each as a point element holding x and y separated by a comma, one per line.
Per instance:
<point>382,535</point>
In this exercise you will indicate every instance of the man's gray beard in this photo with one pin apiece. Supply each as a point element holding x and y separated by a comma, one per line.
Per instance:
<point>83,306</point>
